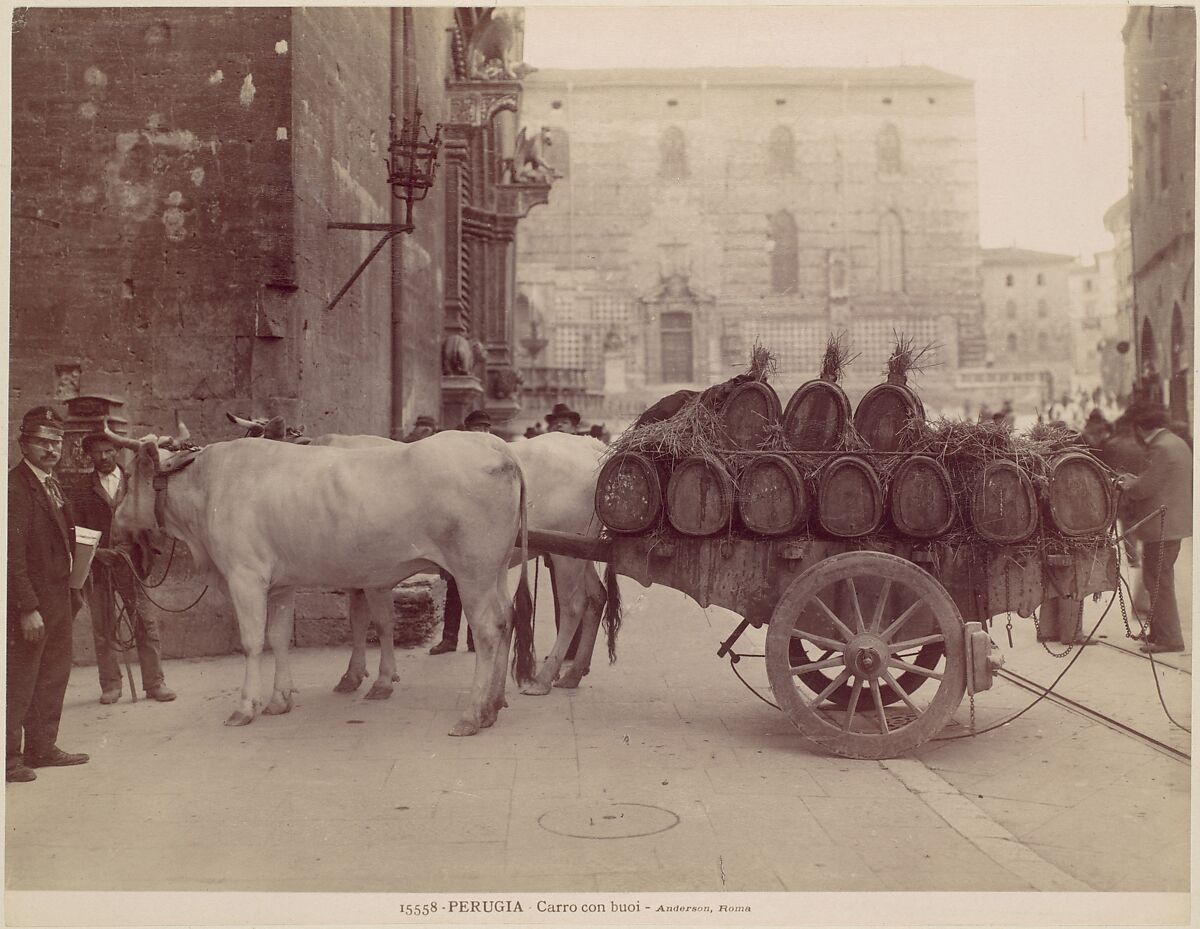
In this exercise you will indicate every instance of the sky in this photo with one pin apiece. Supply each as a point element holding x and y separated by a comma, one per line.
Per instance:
<point>1053,141</point>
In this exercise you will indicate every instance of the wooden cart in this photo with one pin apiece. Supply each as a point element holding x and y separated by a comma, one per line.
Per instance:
<point>870,647</point>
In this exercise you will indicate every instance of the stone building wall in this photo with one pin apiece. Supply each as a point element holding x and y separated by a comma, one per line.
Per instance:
<point>1160,97</point>
<point>838,150</point>
<point>174,172</point>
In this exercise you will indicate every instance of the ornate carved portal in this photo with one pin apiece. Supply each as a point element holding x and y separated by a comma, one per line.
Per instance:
<point>494,177</point>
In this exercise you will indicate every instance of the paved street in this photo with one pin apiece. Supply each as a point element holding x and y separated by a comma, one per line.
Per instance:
<point>660,773</point>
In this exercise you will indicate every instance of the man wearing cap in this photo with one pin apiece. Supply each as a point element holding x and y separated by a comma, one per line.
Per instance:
<point>41,603</point>
<point>478,421</point>
<point>1166,483</point>
<point>424,428</point>
<point>562,419</point>
<point>93,502</point>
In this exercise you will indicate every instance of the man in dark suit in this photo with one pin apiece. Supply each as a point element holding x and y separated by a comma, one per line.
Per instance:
<point>93,502</point>
<point>1165,481</point>
<point>41,603</point>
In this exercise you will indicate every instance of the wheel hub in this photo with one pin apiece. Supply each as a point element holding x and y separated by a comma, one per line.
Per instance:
<point>867,655</point>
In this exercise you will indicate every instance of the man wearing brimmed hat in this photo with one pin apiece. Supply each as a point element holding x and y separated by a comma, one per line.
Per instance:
<point>41,603</point>
<point>424,428</point>
<point>1165,482</point>
<point>94,501</point>
<point>562,419</point>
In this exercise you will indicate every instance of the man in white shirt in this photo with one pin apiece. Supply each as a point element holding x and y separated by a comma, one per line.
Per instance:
<point>111,583</point>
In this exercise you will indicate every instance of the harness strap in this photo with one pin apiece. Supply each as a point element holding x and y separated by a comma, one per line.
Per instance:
<point>160,499</point>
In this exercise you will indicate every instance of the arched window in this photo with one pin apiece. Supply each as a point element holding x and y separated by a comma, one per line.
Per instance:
<point>1010,343</point>
<point>1008,280</point>
<point>1041,279</point>
<point>887,150</point>
<point>1180,363</point>
<point>672,151</point>
<point>891,254</point>
<point>1148,350</point>
<point>785,264</point>
<point>781,151</point>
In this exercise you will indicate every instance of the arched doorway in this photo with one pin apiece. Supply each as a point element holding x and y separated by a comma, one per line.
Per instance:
<point>676,335</point>
<point>1180,367</point>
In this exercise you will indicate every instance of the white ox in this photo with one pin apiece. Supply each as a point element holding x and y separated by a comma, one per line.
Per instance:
<point>560,479</point>
<point>261,518</point>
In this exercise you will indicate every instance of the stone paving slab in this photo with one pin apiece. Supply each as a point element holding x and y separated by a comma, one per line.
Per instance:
<point>348,795</point>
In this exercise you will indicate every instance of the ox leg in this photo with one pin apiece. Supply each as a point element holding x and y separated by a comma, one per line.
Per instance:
<point>379,600</point>
<point>592,611</point>
<point>567,576</point>
<point>356,671</point>
<point>281,606</point>
<point>489,619</point>
<point>249,597</point>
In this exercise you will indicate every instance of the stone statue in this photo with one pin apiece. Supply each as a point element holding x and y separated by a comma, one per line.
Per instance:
<point>529,165</point>
<point>489,48</point>
<point>458,355</point>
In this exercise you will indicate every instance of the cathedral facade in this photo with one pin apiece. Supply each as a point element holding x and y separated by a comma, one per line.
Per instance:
<point>698,212</point>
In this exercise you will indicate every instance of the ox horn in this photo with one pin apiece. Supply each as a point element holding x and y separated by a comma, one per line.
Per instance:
<point>119,440</point>
<point>239,421</point>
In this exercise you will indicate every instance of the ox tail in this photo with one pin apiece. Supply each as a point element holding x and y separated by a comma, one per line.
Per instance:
<point>612,611</point>
<point>524,659</point>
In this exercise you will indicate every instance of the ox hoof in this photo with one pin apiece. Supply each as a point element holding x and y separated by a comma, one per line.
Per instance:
<point>279,704</point>
<point>238,718</point>
<point>380,690</point>
<point>570,681</point>
<point>536,688</point>
<point>465,727</point>
<point>348,684</point>
<point>395,678</point>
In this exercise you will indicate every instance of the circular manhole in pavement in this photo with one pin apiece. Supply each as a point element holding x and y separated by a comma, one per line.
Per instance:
<point>608,820</point>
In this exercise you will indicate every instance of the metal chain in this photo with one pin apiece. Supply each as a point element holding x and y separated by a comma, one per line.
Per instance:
<point>972,713</point>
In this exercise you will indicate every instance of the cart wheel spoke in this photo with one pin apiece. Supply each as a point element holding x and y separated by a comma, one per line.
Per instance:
<point>884,590</point>
<point>833,685</point>
<point>833,618</point>
<point>830,645</point>
<point>838,662</point>
<point>853,705</point>
<point>901,620</point>
<point>878,697</point>
<point>891,682</point>
<point>858,616</point>
<point>913,669</point>
<point>916,643</point>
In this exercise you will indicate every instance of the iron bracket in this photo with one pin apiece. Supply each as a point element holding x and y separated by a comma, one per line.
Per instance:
<point>390,230</point>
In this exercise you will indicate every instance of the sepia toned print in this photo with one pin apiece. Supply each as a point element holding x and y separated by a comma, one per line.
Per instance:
<point>794,402</point>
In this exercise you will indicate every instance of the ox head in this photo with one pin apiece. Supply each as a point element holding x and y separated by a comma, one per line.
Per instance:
<point>138,520</point>
<point>275,428</point>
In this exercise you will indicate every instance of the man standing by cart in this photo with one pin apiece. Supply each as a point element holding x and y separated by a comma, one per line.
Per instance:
<point>95,500</point>
<point>1165,482</point>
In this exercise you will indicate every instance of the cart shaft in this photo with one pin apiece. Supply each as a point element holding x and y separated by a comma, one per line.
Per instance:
<point>570,544</point>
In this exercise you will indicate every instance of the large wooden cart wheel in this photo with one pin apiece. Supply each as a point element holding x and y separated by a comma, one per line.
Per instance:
<point>846,606</point>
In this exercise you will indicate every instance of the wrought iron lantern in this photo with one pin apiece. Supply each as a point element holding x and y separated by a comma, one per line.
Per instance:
<point>412,165</point>
<point>412,160</point>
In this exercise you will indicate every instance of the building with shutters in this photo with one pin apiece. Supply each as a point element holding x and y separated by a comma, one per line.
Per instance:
<point>700,211</point>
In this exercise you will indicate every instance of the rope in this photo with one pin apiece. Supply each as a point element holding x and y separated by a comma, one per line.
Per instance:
<point>166,609</point>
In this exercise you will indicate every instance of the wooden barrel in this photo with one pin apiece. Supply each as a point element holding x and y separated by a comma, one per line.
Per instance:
<point>884,417</point>
<point>628,493</point>
<point>922,500</point>
<point>816,417</point>
<point>1079,498</point>
<point>699,496</point>
<point>772,499</point>
<point>749,412</point>
<point>1003,505</point>
<point>849,498</point>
